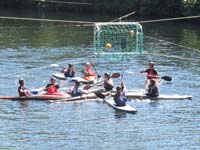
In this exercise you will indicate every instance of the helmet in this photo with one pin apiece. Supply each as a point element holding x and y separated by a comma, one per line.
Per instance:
<point>152,82</point>
<point>88,63</point>
<point>107,74</point>
<point>118,88</point>
<point>70,65</point>
<point>21,80</point>
<point>151,63</point>
<point>52,78</point>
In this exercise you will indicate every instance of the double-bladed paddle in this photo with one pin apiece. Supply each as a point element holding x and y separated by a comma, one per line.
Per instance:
<point>166,78</point>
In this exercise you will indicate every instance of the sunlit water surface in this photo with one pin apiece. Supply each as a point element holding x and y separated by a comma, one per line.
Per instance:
<point>28,48</point>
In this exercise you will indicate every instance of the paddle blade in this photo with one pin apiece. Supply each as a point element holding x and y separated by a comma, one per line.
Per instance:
<point>34,92</point>
<point>115,75</point>
<point>100,95</point>
<point>166,78</point>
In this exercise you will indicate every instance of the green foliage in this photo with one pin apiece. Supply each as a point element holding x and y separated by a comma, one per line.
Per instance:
<point>150,8</point>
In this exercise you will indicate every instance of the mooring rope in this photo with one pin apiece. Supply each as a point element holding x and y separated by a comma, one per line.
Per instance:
<point>47,20</point>
<point>169,19</point>
<point>193,49</point>
<point>122,17</point>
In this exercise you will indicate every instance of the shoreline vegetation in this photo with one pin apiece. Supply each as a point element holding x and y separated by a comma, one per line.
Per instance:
<point>143,8</point>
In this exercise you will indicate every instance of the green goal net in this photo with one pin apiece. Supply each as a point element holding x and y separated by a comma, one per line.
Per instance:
<point>112,39</point>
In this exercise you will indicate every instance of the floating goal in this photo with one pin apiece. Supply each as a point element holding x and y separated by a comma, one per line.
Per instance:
<point>112,39</point>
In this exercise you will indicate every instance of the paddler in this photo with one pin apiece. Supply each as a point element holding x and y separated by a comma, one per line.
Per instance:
<point>22,90</point>
<point>120,96</point>
<point>89,74</point>
<point>76,90</point>
<point>52,87</point>
<point>108,82</point>
<point>151,72</point>
<point>152,89</point>
<point>70,71</point>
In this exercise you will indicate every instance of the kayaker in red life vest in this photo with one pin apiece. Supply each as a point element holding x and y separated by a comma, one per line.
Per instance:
<point>70,71</point>
<point>151,72</point>
<point>89,74</point>
<point>52,87</point>
<point>22,90</point>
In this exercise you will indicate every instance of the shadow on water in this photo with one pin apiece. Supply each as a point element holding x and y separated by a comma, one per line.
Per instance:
<point>24,104</point>
<point>154,103</point>
<point>121,114</point>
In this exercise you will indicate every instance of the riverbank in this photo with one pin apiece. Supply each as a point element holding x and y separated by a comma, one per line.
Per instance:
<point>143,8</point>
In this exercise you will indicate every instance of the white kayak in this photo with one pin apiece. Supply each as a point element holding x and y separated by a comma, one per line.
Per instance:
<point>126,108</point>
<point>133,95</point>
<point>61,76</point>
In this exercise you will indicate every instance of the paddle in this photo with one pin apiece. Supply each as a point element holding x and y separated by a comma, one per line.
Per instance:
<point>166,78</point>
<point>100,95</point>
<point>114,75</point>
<point>99,76</point>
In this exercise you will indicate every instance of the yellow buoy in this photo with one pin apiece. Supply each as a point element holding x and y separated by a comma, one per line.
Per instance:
<point>108,46</point>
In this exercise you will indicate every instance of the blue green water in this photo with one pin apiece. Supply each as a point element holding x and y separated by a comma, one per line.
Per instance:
<point>28,48</point>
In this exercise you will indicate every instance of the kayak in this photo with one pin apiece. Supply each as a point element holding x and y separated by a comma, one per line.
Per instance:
<point>77,98</point>
<point>55,96</point>
<point>126,108</point>
<point>132,95</point>
<point>61,76</point>
<point>59,97</point>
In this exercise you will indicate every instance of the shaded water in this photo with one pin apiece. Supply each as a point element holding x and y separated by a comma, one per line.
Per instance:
<point>28,48</point>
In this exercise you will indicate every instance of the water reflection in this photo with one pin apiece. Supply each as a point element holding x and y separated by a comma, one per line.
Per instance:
<point>120,114</point>
<point>24,104</point>
<point>154,103</point>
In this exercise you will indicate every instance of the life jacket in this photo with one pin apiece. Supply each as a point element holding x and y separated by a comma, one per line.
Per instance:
<point>51,90</point>
<point>22,91</point>
<point>76,92</point>
<point>89,71</point>
<point>107,86</point>
<point>152,91</point>
<point>152,74</point>
<point>69,73</point>
<point>120,100</point>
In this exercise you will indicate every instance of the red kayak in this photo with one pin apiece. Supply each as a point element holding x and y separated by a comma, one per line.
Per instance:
<point>54,96</point>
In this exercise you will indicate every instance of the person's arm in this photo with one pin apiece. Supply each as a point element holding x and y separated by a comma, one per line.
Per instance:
<point>123,85</point>
<point>73,70</point>
<point>63,70</point>
<point>57,86</point>
<point>110,82</point>
<point>145,70</point>
<point>155,72</point>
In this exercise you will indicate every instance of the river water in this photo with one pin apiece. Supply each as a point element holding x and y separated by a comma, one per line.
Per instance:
<point>28,48</point>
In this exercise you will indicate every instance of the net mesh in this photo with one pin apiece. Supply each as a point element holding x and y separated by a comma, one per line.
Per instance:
<point>113,39</point>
